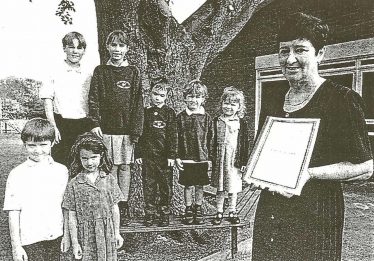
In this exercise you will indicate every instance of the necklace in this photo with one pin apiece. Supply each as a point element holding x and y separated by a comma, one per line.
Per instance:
<point>307,98</point>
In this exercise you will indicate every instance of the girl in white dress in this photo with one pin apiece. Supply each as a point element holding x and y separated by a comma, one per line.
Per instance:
<point>231,152</point>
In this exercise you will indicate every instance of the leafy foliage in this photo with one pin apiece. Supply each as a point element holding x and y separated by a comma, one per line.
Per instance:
<point>64,10</point>
<point>20,98</point>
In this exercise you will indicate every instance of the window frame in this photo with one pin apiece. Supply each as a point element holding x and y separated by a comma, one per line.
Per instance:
<point>341,58</point>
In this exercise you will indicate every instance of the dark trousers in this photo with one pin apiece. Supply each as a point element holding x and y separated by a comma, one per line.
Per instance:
<point>48,250</point>
<point>69,130</point>
<point>157,185</point>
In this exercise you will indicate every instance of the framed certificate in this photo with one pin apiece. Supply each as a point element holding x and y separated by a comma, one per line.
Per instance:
<point>281,155</point>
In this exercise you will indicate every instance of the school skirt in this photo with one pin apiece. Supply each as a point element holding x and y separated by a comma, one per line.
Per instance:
<point>194,174</point>
<point>120,148</point>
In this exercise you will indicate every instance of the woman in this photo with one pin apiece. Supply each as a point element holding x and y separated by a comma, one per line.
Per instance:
<point>310,226</point>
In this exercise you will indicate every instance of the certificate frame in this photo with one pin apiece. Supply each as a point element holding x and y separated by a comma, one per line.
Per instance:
<point>280,158</point>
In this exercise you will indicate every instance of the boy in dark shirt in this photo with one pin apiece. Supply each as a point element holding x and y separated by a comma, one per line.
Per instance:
<point>157,152</point>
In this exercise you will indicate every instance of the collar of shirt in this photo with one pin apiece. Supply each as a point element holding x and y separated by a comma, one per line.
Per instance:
<point>232,124</point>
<point>225,119</point>
<point>199,111</point>
<point>123,64</point>
<point>72,69</point>
<point>82,178</point>
<point>158,107</point>
<point>31,163</point>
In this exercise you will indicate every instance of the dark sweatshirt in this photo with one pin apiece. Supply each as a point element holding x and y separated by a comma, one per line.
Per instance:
<point>159,139</point>
<point>115,100</point>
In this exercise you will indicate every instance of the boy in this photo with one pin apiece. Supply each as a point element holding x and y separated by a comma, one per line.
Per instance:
<point>65,97</point>
<point>157,152</point>
<point>116,108</point>
<point>33,197</point>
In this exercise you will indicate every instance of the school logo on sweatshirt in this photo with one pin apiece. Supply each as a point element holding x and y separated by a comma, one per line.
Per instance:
<point>159,124</point>
<point>123,84</point>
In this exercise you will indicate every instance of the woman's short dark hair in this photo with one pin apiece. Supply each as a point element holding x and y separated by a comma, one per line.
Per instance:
<point>69,37</point>
<point>304,26</point>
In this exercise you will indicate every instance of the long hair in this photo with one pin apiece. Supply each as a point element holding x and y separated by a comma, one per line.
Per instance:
<point>91,142</point>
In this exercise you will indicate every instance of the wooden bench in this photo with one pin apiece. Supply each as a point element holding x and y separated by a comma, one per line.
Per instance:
<point>246,202</point>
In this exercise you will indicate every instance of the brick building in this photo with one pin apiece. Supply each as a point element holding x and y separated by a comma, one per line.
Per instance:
<point>349,58</point>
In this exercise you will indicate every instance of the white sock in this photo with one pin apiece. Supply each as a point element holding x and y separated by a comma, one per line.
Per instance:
<point>232,201</point>
<point>220,199</point>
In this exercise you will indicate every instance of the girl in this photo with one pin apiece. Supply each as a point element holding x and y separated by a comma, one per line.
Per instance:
<point>195,138</point>
<point>231,150</point>
<point>92,198</point>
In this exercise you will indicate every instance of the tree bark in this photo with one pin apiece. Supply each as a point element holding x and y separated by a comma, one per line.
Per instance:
<point>162,48</point>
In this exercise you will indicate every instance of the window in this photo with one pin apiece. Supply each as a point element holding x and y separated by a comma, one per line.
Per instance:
<point>350,64</point>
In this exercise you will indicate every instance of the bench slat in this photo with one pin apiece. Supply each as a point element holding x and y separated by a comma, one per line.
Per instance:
<point>245,205</point>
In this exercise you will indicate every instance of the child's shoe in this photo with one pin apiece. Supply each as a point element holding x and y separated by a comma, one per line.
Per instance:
<point>233,218</point>
<point>164,220</point>
<point>217,220</point>
<point>188,215</point>
<point>148,220</point>
<point>124,211</point>
<point>198,215</point>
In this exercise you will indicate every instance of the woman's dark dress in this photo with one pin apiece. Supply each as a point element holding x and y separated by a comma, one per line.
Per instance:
<point>310,226</point>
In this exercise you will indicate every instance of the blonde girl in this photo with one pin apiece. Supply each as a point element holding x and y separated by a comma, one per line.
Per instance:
<point>231,150</point>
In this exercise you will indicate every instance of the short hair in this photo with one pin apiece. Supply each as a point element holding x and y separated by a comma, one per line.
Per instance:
<point>117,35</point>
<point>69,37</point>
<point>38,129</point>
<point>304,26</point>
<point>88,141</point>
<point>160,86</point>
<point>233,94</point>
<point>195,87</point>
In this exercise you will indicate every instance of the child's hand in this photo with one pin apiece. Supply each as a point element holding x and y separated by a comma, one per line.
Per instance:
<point>171,163</point>
<point>77,251</point>
<point>19,254</point>
<point>65,244</point>
<point>97,131</point>
<point>179,164</point>
<point>119,241</point>
<point>57,136</point>
<point>139,161</point>
<point>134,139</point>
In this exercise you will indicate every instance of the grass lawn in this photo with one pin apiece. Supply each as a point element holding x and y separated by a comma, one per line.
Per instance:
<point>358,233</point>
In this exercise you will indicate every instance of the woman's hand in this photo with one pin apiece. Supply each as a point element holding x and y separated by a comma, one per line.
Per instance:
<point>77,251</point>
<point>139,161</point>
<point>179,164</point>
<point>119,241</point>
<point>171,163</point>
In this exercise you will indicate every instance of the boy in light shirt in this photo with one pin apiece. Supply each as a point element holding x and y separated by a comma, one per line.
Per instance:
<point>65,97</point>
<point>33,198</point>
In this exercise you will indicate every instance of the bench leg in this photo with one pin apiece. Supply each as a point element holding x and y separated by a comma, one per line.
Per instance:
<point>234,241</point>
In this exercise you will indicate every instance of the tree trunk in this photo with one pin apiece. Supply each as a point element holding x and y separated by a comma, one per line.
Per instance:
<point>162,48</point>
